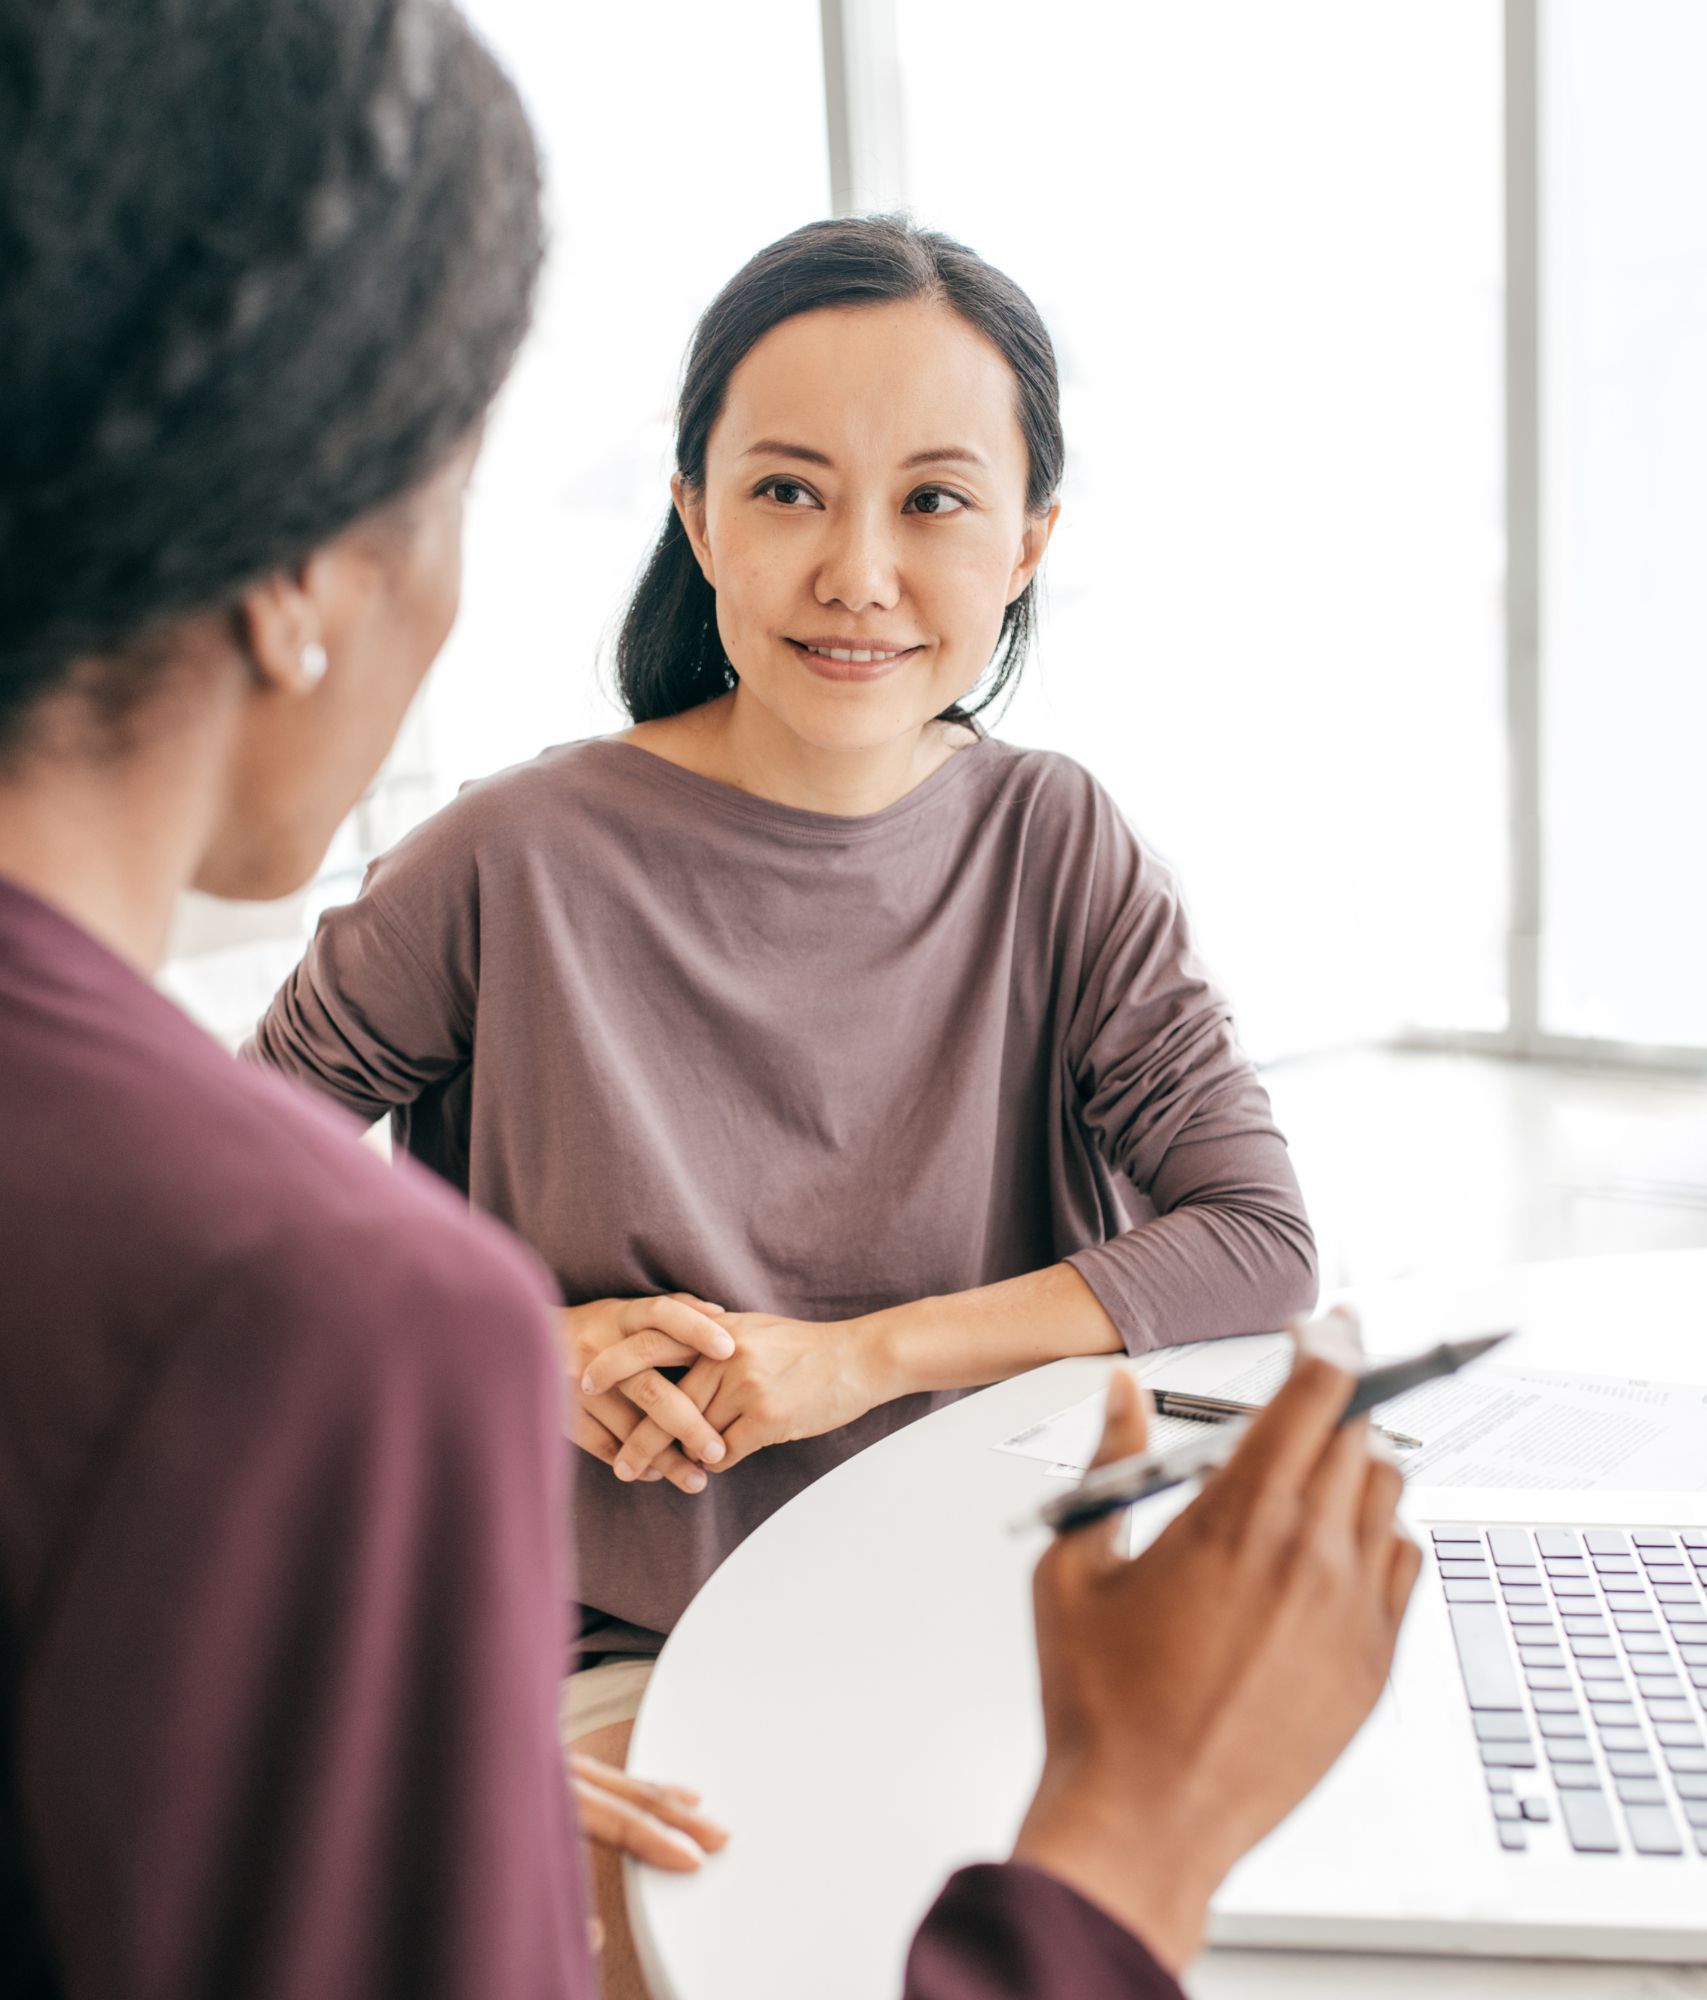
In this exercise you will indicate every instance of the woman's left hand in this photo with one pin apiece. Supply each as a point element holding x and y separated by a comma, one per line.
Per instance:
<point>661,1824</point>
<point>788,1378</point>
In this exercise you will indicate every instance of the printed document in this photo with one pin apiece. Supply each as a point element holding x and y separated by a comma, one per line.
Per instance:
<point>1489,1426</point>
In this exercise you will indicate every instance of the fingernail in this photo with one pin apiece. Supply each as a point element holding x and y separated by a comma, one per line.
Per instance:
<point>688,1849</point>
<point>622,1471</point>
<point>715,1450</point>
<point>649,1478</point>
<point>587,1384</point>
<point>695,1482</point>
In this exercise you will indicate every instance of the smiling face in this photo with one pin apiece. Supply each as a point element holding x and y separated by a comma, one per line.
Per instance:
<point>863,519</point>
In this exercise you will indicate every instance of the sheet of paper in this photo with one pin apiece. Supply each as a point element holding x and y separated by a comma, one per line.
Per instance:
<point>1249,1367</point>
<point>1490,1426</point>
<point>1521,1427</point>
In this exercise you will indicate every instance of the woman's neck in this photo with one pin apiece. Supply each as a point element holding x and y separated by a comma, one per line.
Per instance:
<point>741,744</point>
<point>112,843</point>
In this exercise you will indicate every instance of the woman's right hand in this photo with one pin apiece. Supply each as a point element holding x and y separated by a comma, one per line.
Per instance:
<point>664,1332</point>
<point>1193,1696</point>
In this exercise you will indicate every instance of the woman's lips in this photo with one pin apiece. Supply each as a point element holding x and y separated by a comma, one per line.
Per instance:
<point>851,663</point>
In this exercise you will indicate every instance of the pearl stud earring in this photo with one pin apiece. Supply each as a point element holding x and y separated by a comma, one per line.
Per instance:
<point>313,663</point>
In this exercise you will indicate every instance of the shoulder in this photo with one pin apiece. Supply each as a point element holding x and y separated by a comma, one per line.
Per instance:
<point>555,797</point>
<point>353,1268</point>
<point>1068,814</point>
<point>1079,875</point>
<point>185,1196</point>
<point>386,1318</point>
<point>1051,784</point>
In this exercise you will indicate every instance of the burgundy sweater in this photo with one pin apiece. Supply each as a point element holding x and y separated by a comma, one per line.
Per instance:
<point>680,1038</point>
<point>282,1562</point>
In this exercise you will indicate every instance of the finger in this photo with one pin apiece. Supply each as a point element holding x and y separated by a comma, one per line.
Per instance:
<point>630,1828</point>
<point>687,1819</point>
<point>1125,1431</point>
<point>1336,1335</point>
<point>1402,1571</point>
<point>1382,1487</point>
<point>674,1414</point>
<point>692,1328</point>
<point>681,1472</point>
<point>642,1791</point>
<point>699,1305</point>
<point>649,1348</point>
<point>1125,1418</point>
<point>744,1437</point>
<point>593,1437</point>
<point>700,1384</point>
<point>676,1805</point>
<point>615,1413</point>
<point>1333,1495</point>
<point>1289,1434</point>
<point>619,1419</point>
<point>647,1449</point>
<point>726,1402</point>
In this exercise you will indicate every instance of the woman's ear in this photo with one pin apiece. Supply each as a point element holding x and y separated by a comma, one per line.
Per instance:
<point>689,502</point>
<point>1038,529</point>
<point>282,630</point>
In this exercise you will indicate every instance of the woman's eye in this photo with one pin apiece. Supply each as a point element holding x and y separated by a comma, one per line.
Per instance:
<point>789,492</point>
<point>936,500</point>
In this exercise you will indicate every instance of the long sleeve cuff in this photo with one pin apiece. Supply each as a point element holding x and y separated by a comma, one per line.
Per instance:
<point>1013,1932</point>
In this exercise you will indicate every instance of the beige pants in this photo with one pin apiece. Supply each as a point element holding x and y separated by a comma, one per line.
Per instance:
<point>589,1705</point>
<point>598,1696</point>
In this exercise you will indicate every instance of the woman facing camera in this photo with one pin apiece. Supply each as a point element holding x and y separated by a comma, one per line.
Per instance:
<point>813,1037</point>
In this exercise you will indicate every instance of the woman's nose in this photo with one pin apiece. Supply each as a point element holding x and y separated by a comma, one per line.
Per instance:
<point>860,569</point>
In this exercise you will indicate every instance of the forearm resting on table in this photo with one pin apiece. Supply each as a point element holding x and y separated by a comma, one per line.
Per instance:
<point>966,1339</point>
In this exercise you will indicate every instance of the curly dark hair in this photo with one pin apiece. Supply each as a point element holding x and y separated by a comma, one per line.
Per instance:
<point>668,653</point>
<point>263,265</point>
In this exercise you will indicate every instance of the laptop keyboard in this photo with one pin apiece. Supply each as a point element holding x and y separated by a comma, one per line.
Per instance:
<point>1584,1657</point>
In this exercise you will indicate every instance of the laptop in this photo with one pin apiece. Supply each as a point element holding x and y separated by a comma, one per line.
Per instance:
<point>1534,1781</point>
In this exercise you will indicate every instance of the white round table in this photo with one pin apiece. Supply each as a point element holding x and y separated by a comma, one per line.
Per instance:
<point>854,1695</point>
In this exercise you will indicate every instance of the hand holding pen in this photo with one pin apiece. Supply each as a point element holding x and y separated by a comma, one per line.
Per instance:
<point>1191,1697</point>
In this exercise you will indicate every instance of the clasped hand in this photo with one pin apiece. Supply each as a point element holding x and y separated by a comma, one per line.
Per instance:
<point>753,1379</point>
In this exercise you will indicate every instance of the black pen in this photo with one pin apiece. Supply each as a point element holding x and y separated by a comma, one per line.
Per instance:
<point>1106,1489</point>
<point>1203,1409</point>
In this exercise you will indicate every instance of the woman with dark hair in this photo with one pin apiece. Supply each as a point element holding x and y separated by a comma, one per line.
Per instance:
<point>804,1012</point>
<point>279,1637</point>
<point>281,1532</point>
<point>812,1036</point>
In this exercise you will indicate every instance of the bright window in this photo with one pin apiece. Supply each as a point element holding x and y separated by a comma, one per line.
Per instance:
<point>1267,241</point>
<point>674,149</point>
<point>1624,520</point>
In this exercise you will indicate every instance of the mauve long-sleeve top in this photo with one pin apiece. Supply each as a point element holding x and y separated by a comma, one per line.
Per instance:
<point>282,1562</point>
<point>685,1039</point>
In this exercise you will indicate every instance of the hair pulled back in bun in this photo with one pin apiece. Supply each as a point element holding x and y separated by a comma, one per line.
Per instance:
<point>263,265</point>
